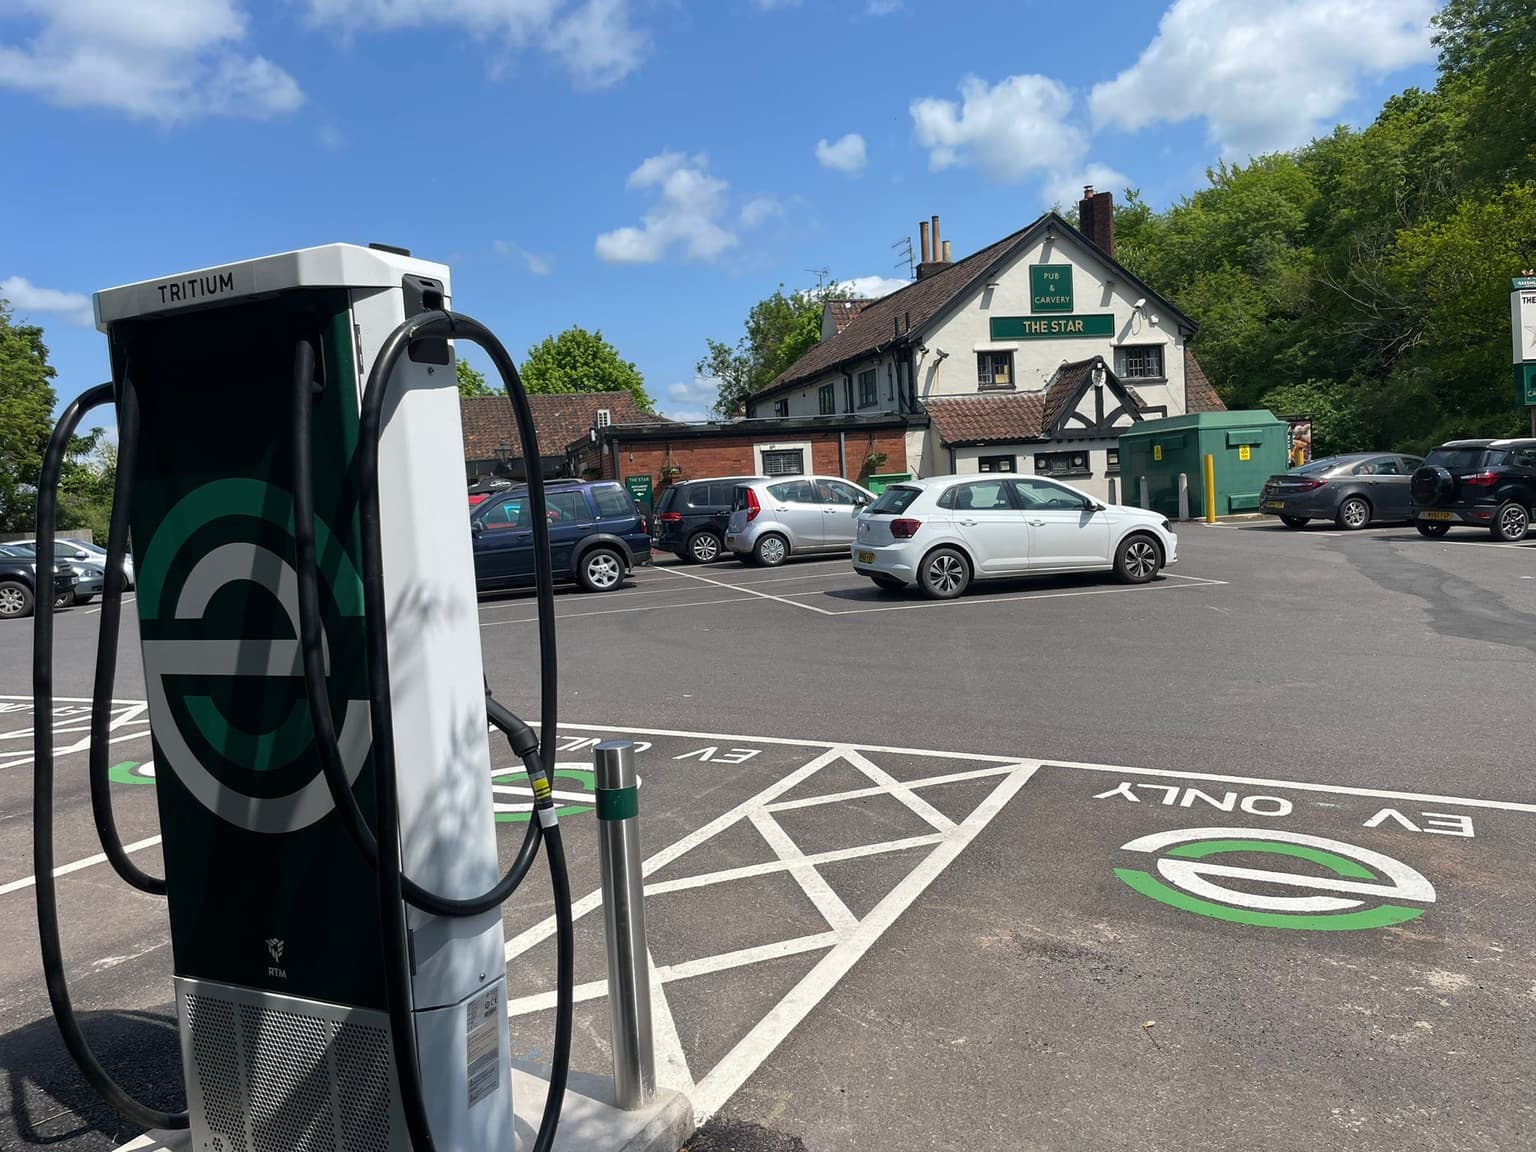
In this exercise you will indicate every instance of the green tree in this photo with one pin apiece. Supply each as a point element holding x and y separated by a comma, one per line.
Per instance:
<point>779,330</point>
<point>582,361</point>
<point>26,407</point>
<point>472,381</point>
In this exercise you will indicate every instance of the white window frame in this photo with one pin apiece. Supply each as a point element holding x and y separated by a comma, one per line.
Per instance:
<point>1122,358</point>
<point>807,461</point>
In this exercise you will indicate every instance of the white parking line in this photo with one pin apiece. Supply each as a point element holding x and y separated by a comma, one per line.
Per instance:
<point>764,595</point>
<point>1190,582</point>
<point>1511,544</point>
<point>618,611</point>
<point>76,866</point>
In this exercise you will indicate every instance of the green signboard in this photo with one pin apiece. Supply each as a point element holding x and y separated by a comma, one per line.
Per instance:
<point>1050,288</point>
<point>1525,385</point>
<point>640,488</point>
<point>1051,327</point>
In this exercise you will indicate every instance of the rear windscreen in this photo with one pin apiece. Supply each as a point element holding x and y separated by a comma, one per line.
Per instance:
<point>893,501</point>
<point>1464,459</point>
<point>1316,466</point>
<point>739,498</point>
<point>668,498</point>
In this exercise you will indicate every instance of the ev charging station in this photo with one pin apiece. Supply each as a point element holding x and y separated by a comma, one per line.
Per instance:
<point>260,597</point>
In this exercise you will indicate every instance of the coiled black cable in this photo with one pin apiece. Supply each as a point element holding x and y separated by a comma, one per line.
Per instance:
<point>312,647</point>
<point>392,884</point>
<point>106,644</point>
<point>42,778</point>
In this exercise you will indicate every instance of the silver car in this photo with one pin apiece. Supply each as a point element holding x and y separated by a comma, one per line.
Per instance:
<point>772,520</point>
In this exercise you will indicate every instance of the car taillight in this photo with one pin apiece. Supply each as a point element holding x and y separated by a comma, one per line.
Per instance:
<point>1481,479</point>
<point>1309,485</point>
<point>670,517</point>
<point>753,507</point>
<point>905,528</point>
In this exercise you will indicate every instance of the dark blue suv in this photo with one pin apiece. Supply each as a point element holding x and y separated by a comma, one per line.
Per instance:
<point>596,535</point>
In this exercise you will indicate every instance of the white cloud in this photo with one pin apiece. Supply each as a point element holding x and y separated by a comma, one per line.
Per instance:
<point>536,263</point>
<point>26,298</point>
<point>1013,130</point>
<point>687,213</point>
<point>760,209</point>
<point>881,7</point>
<point>1066,188</point>
<point>692,400</point>
<point>169,61</point>
<point>1263,76</point>
<point>846,155</point>
<point>872,287</point>
<point>593,39</point>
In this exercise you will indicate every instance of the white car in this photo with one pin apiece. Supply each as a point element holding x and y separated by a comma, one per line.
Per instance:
<point>945,531</point>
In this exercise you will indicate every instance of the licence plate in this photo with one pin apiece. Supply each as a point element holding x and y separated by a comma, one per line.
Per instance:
<point>866,557</point>
<point>1274,504</point>
<point>1439,516</point>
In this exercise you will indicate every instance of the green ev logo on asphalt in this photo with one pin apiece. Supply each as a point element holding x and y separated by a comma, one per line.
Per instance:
<point>1350,887</point>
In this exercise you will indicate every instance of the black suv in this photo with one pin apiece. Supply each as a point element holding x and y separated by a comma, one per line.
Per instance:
<point>690,517</point>
<point>1487,483</point>
<point>18,574</point>
<point>596,535</point>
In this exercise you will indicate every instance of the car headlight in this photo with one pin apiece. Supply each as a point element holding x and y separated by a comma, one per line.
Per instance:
<point>80,571</point>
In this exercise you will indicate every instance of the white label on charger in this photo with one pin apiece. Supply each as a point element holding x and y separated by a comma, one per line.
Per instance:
<point>482,1044</point>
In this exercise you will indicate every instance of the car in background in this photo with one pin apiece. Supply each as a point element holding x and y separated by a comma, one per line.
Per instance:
<point>85,552</point>
<point>772,520</point>
<point>691,517</point>
<point>1353,490</point>
<point>18,583</point>
<point>89,578</point>
<point>482,489</point>
<point>944,532</point>
<point>596,536</point>
<point>1482,483</point>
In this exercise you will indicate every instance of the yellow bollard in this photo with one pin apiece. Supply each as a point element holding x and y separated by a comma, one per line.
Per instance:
<point>1210,489</point>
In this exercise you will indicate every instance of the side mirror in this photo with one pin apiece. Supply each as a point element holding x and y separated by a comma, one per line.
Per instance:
<point>1092,506</point>
<point>476,527</point>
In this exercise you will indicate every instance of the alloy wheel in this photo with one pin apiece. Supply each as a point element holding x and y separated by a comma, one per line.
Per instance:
<point>946,573</point>
<point>604,570</point>
<point>1141,560</point>
<point>13,601</point>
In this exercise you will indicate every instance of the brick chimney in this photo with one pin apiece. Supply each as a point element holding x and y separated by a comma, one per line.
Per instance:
<point>936,255</point>
<point>1096,219</point>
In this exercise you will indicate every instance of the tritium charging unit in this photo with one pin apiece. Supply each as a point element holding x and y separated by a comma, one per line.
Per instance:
<point>276,925</point>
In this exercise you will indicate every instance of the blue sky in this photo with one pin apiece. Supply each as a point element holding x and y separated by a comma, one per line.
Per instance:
<point>649,168</point>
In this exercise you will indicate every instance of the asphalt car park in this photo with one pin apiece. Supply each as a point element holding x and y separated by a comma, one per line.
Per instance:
<point>1236,859</point>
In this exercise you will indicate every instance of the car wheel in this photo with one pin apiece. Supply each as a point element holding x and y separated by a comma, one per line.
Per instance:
<point>65,599</point>
<point>79,599</point>
<point>944,574</point>
<point>15,600</point>
<point>1137,559</point>
<point>771,550</point>
<point>1512,522</point>
<point>601,570</point>
<point>1295,521</point>
<point>888,583</point>
<point>1353,514</point>
<point>703,547</point>
<point>1431,528</point>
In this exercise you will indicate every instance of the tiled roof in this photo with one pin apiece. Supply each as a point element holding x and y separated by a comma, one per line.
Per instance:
<point>1199,393</point>
<point>988,419</point>
<point>1063,386</point>
<point>843,311</point>
<point>876,324</point>
<point>558,419</point>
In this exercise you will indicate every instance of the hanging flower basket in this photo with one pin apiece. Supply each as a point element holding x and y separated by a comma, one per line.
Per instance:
<point>874,460</point>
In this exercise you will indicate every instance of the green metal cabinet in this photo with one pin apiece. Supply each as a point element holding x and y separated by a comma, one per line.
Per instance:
<point>1249,447</point>
<point>878,482</point>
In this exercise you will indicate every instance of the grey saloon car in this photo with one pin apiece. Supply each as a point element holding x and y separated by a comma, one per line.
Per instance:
<point>1352,490</point>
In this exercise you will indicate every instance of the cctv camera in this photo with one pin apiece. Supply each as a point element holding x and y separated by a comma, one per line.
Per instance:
<point>943,355</point>
<point>922,349</point>
<point>1142,303</point>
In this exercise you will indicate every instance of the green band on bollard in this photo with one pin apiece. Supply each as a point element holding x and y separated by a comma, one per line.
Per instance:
<point>617,803</point>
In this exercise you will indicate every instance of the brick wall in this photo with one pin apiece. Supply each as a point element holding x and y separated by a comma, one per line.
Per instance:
<point>733,456</point>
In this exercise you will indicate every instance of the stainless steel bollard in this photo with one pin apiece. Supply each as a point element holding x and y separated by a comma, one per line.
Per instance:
<point>629,973</point>
<point>1146,501</point>
<point>1183,495</point>
<point>1114,498</point>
